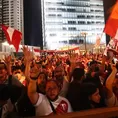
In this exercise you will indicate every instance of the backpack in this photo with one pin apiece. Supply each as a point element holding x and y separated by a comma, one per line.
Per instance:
<point>24,107</point>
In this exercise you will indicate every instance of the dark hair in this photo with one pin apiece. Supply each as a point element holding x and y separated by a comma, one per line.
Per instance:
<point>4,92</point>
<point>86,90</point>
<point>53,80</point>
<point>93,62</point>
<point>77,73</point>
<point>44,75</point>
<point>16,68</point>
<point>4,65</point>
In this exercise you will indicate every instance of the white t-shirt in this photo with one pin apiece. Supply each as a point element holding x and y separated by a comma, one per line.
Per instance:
<point>8,107</point>
<point>113,101</point>
<point>43,107</point>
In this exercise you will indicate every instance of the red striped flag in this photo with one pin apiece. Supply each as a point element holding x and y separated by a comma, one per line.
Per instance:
<point>13,36</point>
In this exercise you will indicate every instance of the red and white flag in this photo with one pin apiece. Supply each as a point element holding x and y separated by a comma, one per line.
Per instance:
<point>112,47</point>
<point>111,27</point>
<point>37,50</point>
<point>13,36</point>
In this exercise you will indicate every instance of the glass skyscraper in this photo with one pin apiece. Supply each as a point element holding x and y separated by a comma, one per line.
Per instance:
<point>65,22</point>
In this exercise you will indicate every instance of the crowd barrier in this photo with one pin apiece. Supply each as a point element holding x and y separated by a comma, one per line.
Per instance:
<point>96,113</point>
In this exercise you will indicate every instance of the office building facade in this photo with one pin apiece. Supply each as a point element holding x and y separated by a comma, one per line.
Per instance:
<point>70,22</point>
<point>0,19</point>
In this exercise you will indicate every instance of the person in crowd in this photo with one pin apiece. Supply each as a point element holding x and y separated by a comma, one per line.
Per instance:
<point>112,87</point>
<point>48,104</point>
<point>88,97</point>
<point>5,73</point>
<point>93,76</point>
<point>18,73</point>
<point>51,102</point>
<point>41,82</point>
<point>74,87</point>
<point>6,105</point>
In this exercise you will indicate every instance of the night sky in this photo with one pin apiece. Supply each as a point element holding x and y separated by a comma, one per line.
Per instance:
<point>107,5</point>
<point>32,23</point>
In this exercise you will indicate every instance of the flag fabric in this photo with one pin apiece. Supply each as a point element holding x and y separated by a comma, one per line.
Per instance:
<point>13,36</point>
<point>36,50</point>
<point>114,12</point>
<point>112,46</point>
<point>111,27</point>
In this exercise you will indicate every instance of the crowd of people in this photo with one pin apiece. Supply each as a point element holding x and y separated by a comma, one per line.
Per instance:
<point>54,84</point>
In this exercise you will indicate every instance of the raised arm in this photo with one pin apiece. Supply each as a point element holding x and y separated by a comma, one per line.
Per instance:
<point>7,61</point>
<point>109,82</point>
<point>27,58</point>
<point>33,95</point>
<point>73,58</point>
<point>32,88</point>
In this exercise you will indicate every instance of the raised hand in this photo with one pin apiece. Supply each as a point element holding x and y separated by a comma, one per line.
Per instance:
<point>28,56</point>
<point>7,59</point>
<point>73,58</point>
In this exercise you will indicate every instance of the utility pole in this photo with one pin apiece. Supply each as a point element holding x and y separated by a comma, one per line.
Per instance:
<point>84,34</point>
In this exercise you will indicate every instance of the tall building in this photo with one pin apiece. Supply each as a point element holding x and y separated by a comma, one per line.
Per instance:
<point>0,19</point>
<point>67,22</point>
<point>12,14</point>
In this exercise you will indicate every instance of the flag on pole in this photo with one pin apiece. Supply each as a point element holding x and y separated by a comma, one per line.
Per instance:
<point>114,12</point>
<point>112,47</point>
<point>111,27</point>
<point>13,36</point>
<point>98,39</point>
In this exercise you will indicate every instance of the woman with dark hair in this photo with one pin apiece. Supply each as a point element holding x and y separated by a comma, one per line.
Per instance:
<point>89,97</point>
<point>41,82</point>
<point>74,87</point>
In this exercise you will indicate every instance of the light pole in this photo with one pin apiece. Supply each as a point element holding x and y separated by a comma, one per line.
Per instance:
<point>84,34</point>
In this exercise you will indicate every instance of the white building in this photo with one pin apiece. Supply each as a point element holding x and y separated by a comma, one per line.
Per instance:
<point>12,13</point>
<point>65,22</point>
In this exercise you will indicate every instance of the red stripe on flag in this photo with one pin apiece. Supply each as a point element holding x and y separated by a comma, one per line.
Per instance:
<point>111,27</point>
<point>13,36</point>
<point>4,28</point>
<point>36,50</point>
